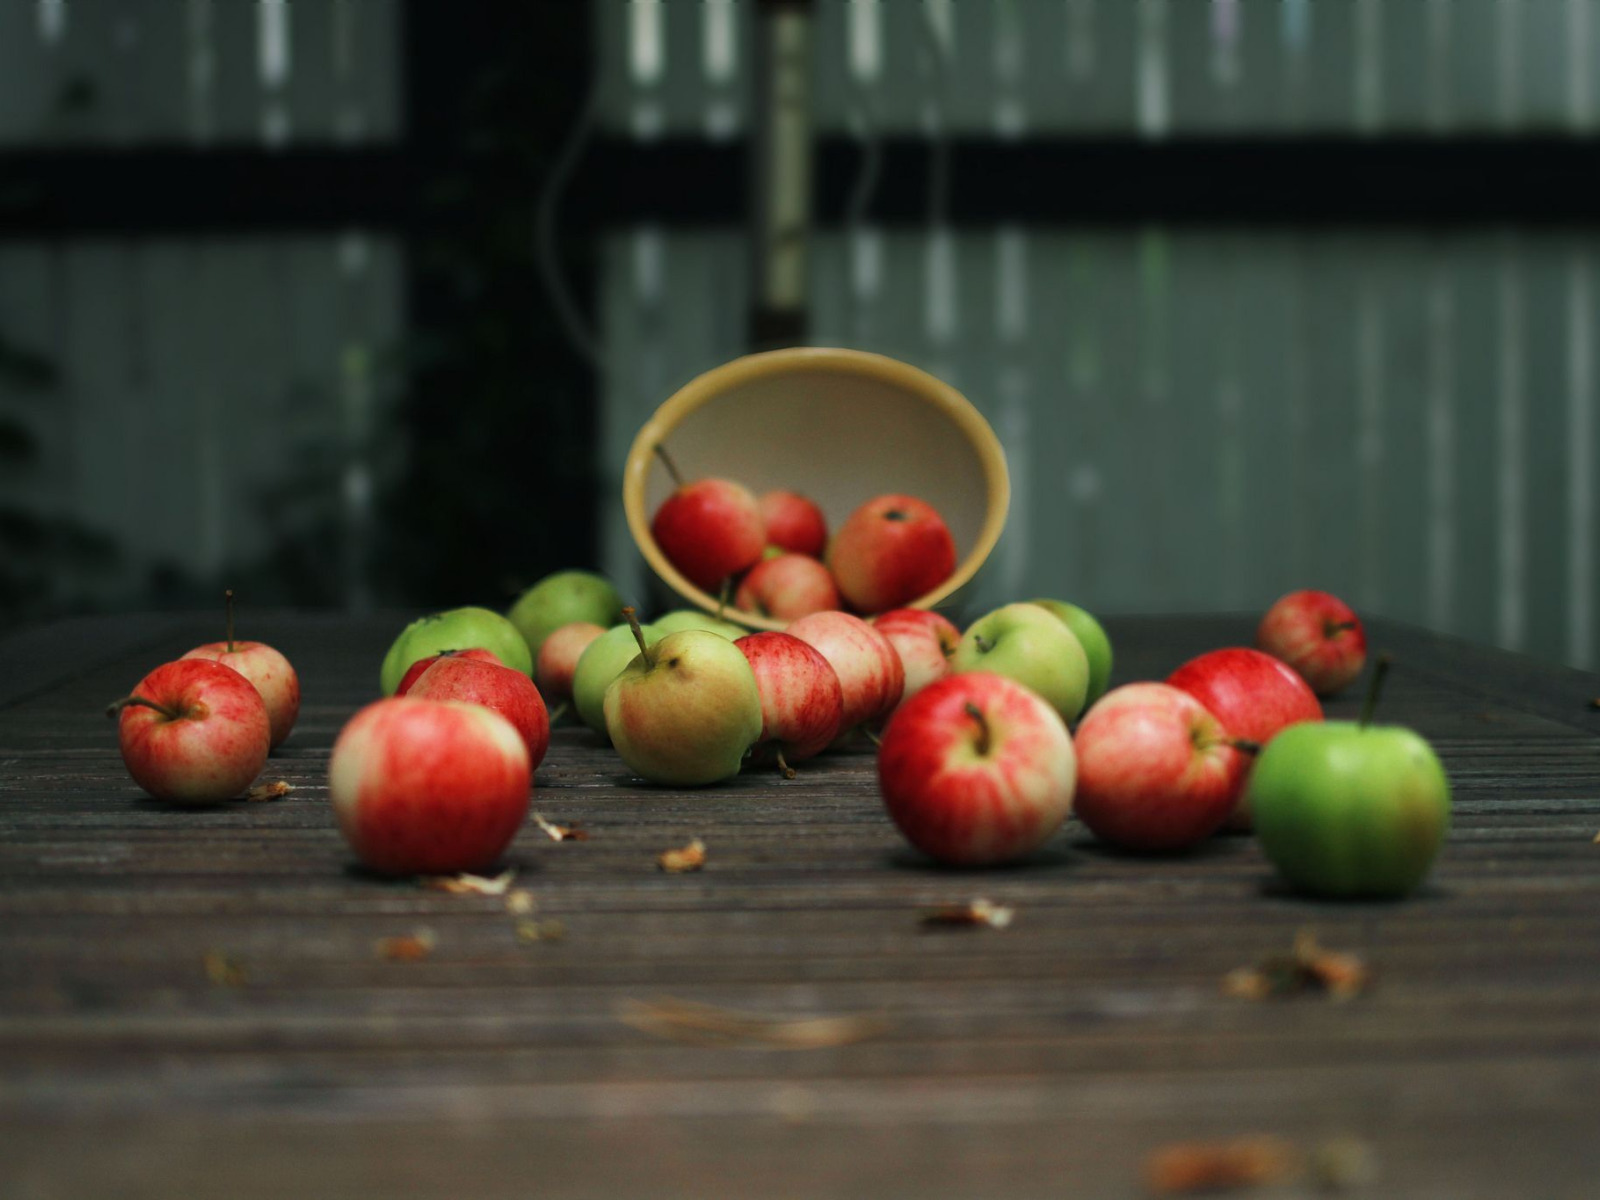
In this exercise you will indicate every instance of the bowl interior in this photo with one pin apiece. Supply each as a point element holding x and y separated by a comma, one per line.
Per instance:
<point>838,426</point>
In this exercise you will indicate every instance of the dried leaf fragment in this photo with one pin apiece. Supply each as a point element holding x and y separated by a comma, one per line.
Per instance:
<point>548,930</point>
<point>561,833</point>
<point>520,903</point>
<point>1597,839</point>
<point>276,790</point>
<point>710,1025</point>
<point>223,969</point>
<point>469,885</point>
<point>1185,1168</point>
<point>1307,967</point>
<point>407,948</point>
<point>685,858</point>
<point>976,914</point>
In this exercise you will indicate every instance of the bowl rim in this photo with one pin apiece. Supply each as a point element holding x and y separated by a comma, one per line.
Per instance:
<point>767,363</point>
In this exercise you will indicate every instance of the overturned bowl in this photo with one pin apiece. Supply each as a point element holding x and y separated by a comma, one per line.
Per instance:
<point>839,426</point>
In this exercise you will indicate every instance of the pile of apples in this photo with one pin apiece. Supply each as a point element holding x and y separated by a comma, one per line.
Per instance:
<point>974,775</point>
<point>198,730</point>
<point>775,556</point>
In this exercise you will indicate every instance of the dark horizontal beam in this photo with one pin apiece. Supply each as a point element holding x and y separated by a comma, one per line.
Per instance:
<point>1392,181</point>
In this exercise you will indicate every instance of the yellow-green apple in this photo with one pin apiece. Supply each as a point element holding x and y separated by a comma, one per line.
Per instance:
<point>1347,808</point>
<point>1253,695</point>
<point>802,704</point>
<point>924,640</point>
<point>415,670</point>
<point>1092,637</point>
<point>710,529</point>
<point>787,587</point>
<point>457,629</point>
<point>429,787</point>
<point>193,732</point>
<point>558,659</point>
<point>976,770</point>
<point>599,664</point>
<point>562,599</point>
<point>509,693</point>
<point>263,666</point>
<point>680,619</point>
<point>890,551</point>
<point>794,523</point>
<point>1025,643</point>
<point>871,675</point>
<point>1317,634</point>
<point>686,710</point>
<point>1156,770</point>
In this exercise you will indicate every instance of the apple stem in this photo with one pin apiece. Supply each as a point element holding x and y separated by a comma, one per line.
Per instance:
<point>227,603</point>
<point>976,714</point>
<point>1245,746</point>
<point>983,644</point>
<point>558,712</point>
<point>788,771</point>
<point>1332,628</point>
<point>672,467</point>
<point>140,702</point>
<point>873,738</point>
<point>1379,670</point>
<point>723,595</point>
<point>638,634</point>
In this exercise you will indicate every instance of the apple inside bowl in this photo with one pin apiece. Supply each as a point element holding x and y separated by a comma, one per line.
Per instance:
<point>838,426</point>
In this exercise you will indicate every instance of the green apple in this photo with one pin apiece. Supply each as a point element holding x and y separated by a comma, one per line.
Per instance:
<point>1091,637</point>
<point>686,710</point>
<point>561,599</point>
<point>691,618</point>
<point>1346,809</point>
<point>601,662</point>
<point>457,629</point>
<point>1026,644</point>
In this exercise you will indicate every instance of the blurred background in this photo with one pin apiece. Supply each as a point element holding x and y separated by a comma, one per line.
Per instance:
<point>358,303</point>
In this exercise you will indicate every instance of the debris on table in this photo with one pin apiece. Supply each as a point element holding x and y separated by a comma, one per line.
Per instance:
<point>407,948</point>
<point>464,884</point>
<point>276,790</point>
<point>520,902</point>
<point>531,929</point>
<point>1306,968</point>
<point>685,858</point>
<point>709,1025</point>
<point>561,833</point>
<point>979,913</point>
<point>223,969</point>
<point>1190,1168</point>
<point>1342,1163</point>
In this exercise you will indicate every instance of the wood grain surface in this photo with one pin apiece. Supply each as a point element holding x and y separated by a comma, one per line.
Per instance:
<point>1046,1059</point>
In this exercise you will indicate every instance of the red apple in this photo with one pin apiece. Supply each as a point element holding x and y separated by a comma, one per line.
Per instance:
<point>509,693</point>
<point>794,523</point>
<point>889,552</point>
<point>924,640</point>
<point>1156,770</point>
<point>1319,636</point>
<point>263,666</point>
<point>429,787</point>
<point>558,659</point>
<point>802,703</point>
<point>871,675</point>
<point>711,530</point>
<point>787,587</point>
<point>415,670</point>
<point>1252,694</point>
<point>193,732</point>
<point>976,769</point>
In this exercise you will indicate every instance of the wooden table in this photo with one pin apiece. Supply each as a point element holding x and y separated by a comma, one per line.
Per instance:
<point>1047,1059</point>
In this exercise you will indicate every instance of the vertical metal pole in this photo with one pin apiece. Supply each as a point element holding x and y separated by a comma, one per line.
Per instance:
<point>782,173</point>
